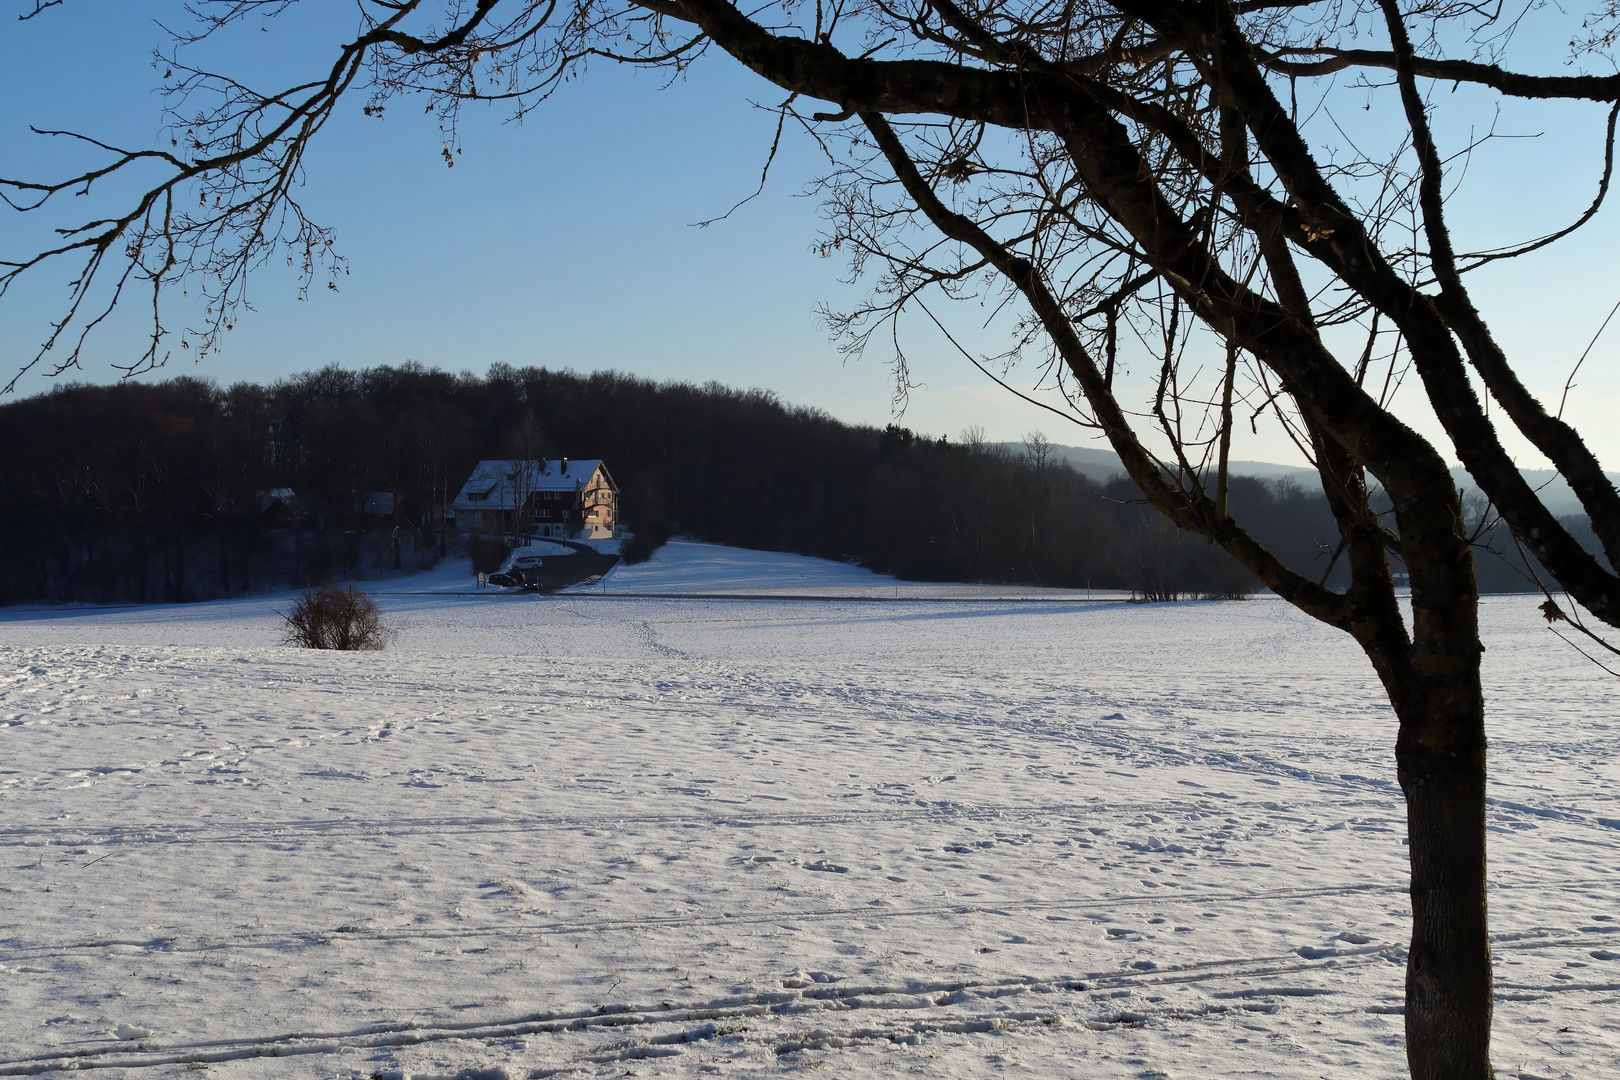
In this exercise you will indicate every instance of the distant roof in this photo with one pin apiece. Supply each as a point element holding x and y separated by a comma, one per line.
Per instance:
<point>494,483</point>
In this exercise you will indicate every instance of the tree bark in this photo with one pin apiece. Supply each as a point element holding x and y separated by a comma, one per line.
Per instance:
<point>1440,757</point>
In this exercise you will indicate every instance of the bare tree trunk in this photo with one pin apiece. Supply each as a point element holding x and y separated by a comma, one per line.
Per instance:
<point>1440,756</point>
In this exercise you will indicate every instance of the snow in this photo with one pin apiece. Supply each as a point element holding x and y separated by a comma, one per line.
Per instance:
<point>689,567</point>
<point>609,835</point>
<point>694,567</point>
<point>538,547</point>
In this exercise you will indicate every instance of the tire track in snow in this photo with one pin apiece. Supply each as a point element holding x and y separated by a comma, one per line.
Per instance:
<point>911,810</point>
<point>912,996</point>
<point>1160,900</point>
<point>280,831</point>
<point>921,1008</point>
<point>355,933</point>
<point>1532,940</point>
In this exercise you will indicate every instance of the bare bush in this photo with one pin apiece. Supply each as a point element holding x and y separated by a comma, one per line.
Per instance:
<point>1225,578</point>
<point>488,553</point>
<point>329,617</point>
<point>642,543</point>
<point>1236,592</point>
<point>1161,557</point>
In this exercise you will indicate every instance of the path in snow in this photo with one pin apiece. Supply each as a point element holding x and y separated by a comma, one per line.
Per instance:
<point>688,837</point>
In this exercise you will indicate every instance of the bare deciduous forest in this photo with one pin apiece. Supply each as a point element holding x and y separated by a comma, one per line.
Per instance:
<point>166,501</point>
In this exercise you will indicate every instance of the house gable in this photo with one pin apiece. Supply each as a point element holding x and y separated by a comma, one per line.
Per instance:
<point>564,494</point>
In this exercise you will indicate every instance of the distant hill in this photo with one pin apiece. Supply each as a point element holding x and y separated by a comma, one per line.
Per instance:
<point>1554,489</point>
<point>1100,465</point>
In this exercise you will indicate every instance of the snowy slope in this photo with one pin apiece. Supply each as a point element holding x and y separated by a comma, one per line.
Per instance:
<point>694,567</point>
<point>686,567</point>
<point>678,837</point>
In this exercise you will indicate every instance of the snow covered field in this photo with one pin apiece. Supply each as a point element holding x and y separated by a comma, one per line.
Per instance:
<point>689,568</point>
<point>685,566</point>
<point>636,836</point>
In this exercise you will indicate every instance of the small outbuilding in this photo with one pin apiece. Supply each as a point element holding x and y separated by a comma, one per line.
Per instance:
<point>278,504</point>
<point>567,498</point>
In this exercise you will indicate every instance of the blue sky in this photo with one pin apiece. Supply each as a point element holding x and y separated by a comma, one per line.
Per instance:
<point>568,241</point>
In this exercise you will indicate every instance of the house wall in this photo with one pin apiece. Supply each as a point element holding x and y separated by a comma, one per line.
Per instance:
<point>599,508</point>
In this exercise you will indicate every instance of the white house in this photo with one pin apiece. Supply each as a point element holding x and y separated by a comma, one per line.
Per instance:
<point>561,497</point>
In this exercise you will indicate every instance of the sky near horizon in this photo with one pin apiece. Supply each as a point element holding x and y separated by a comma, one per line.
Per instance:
<point>570,242</point>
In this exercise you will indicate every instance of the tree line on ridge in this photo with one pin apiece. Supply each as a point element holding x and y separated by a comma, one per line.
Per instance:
<point>143,492</point>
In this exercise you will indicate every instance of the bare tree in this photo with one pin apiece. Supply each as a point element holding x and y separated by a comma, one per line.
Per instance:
<point>1158,554</point>
<point>1038,452</point>
<point>525,449</point>
<point>1155,172</point>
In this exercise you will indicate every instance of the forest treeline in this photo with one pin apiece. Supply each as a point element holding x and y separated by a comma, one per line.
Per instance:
<point>159,492</point>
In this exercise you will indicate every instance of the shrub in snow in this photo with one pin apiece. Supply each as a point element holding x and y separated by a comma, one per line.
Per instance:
<point>642,543</point>
<point>329,617</point>
<point>488,553</point>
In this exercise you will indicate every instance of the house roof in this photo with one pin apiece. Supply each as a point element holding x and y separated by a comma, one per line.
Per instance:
<point>495,483</point>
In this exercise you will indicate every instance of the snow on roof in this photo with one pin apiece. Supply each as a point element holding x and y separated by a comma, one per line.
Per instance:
<point>493,484</point>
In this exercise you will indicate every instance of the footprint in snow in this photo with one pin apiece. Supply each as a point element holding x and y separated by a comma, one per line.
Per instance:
<point>1312,952</point>
<point>826,867</point>
<point>798,979</point>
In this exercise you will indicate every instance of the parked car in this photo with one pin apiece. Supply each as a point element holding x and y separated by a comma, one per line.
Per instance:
<point>523,573</point>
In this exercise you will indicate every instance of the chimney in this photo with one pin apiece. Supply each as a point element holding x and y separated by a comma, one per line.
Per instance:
<point>565,466</point>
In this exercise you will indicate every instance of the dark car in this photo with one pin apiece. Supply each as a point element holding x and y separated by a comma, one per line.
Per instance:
<point>524,573</point>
